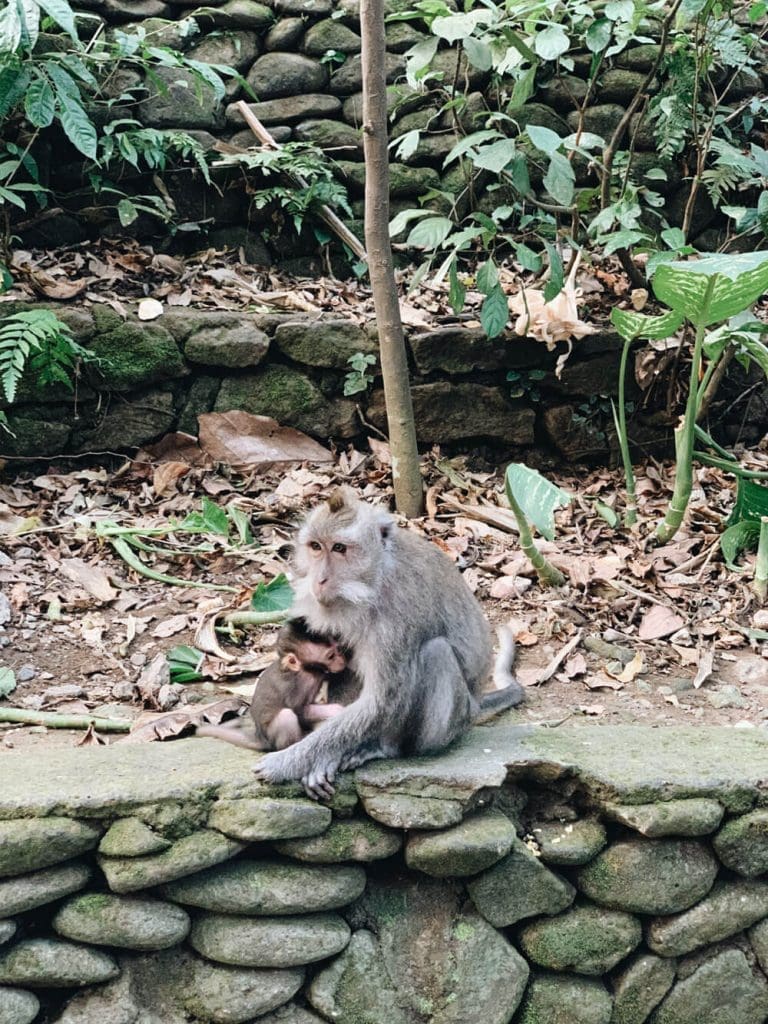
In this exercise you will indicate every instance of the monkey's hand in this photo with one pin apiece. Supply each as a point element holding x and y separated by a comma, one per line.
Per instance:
<point>318,782</point>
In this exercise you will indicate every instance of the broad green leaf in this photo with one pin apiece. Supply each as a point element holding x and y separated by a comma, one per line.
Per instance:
<point>739,281</point>
<point>9,196</point>
<point>527,258</point>
<point>7,682</point>
<point>543,138</point>
<point>209,76</point>
<point>751,501</point>
<point>607,513</point>
<point>478,54</point>
<point>487,277</point>
<point>456,291</point>
<point>495,157</point>
<point>215,519</point>
<point>471,142</point>
<point>523,89</point>
<point>559,180</point>
<point>620,10</point>
<point>598,35</point>
<point>738,538</point>
<point>241,521</point>
<point>127,212</point>
<point>275,596</point>
<point>551,43</point>
<point>622,240</point>
<point>403,219</point>
<point>631,325</point>
<point>418,59</point>
<point>80,130</point>
<point>430,233</point>
<point>407,144</point>
<point>457,27</point>
<point>61,13</point>
<point>494,312</point>
<point>556,280</point>
<point>536,496</point>
<point>40,103</point>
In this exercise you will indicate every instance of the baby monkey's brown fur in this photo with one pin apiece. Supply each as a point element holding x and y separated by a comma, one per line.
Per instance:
<point>284,706</point>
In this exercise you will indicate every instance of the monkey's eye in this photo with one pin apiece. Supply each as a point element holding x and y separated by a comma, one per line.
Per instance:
<point>315,545</point>
<point>340,548</point>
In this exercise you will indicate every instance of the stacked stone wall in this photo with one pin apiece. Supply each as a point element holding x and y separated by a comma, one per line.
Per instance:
<point>301,59</point>
<point>514,879</point>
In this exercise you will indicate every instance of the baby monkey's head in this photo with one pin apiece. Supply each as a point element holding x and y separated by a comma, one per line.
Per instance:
<point>299,648</point>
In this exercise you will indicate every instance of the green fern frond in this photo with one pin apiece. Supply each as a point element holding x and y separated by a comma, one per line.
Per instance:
<point>38,341</point>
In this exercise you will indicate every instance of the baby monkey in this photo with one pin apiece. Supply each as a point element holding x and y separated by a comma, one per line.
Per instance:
<point>284,706</point>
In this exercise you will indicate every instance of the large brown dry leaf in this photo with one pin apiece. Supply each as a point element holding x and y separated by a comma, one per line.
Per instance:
<point>243,441</point>
<point>659,621</point>
<point>89,577</point>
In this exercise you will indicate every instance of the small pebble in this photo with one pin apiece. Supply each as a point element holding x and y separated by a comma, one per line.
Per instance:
<point>66,691</point>
<point>138,659</point>
<point>25,673</point>
<point>727,697</point>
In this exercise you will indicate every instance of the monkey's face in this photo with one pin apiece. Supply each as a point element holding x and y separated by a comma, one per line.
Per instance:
<point>325,658</point>
<point>341,553</point>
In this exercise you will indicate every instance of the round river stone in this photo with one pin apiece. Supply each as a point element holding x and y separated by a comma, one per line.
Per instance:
<point>742,844</point>
<point>585,939</point>
<point>18,1006</point>
<point>649,876</point>
<point>29,891</point>
<point>124,921</point>
<point>27,844</point>
<point>269,941</point>
<point>51,963</point>
<point>266,887</point>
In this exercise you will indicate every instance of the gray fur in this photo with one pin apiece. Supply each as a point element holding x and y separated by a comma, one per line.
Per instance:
<point>418,637</point>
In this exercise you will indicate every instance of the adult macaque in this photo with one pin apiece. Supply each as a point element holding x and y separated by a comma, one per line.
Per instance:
<point>419,641</point>
<point>284,706</point>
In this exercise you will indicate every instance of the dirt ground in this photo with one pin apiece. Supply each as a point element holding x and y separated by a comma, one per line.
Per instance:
<point>661,637</point>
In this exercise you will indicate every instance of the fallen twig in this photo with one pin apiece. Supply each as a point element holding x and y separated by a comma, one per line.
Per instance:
<point>53,720</point>
<point>559,658</point>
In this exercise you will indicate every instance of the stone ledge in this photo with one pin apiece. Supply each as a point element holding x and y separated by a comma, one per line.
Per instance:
<point>611,764</point>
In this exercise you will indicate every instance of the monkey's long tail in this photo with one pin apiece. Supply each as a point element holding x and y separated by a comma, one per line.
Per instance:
<point>510,692</point>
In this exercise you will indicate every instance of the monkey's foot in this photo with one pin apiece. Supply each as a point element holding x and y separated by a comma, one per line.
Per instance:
<point>272,768</point>
<point>319,783</point>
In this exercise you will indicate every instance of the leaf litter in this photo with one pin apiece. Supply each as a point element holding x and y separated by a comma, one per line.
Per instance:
<point>658,645</point>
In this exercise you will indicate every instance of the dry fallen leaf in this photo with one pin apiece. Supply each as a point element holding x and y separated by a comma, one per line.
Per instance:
<point>576,665</point>
<point>243,441</point>
<point>659,622</point>
<point>602,681</point>
<point>688,655</point>
<point>169,627</point>
<point>706,661</point>
<point>89,577</point>
<point>166,475</point>
<point>630,670</point>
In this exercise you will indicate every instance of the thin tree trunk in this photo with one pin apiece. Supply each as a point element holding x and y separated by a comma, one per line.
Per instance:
<point>409,491</point>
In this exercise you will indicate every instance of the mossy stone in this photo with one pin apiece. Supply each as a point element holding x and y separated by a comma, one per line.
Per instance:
<point>131,837</point>
<point>324,343</point>
<point>619,85</point>
<point>28,844</point>
<point>290,941</point>
<point>234,995</point>
<point>200,850</point>
<point>269,888</point>
<point>259,820</point>
<point>730,907</point>
<point>53,963</point>
<point>355,839</point>
<point>519,886</point>
<point>602,119</point>
<point>412,812</point>
<point>475,844</point>
<point>563,999</point>
<point>18,1006</point>
<point>330,34</point>
<point>723,990</point>
<point>286,74</point>
<point>640,987</point>
<point>584,940</point>
<point>25,892</point>
<point>649,876</point>
<point>289,109</point>
<point>133,354</point>
<point>695,817</point>
<point>742,844</point>
<point>292,399</point>
<point>34,435</point>
<point>569,843</point>
<point>104,919</point>
<point>348,77</point>
<point>7,931</point>
<point>542,116</point>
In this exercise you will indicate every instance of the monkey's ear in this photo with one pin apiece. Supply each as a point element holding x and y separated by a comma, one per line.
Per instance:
<point>291,663</point>
<point>341,497</point>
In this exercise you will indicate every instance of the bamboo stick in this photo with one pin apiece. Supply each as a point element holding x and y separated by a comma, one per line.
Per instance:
<point>336,225</point>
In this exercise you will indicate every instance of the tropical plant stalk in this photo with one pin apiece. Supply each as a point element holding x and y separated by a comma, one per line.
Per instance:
<point>685,435</point>
<point>760,583</point>
<point>620,421</point>
<point>56,721</point>
<point>546,572</point>
<point>406,477</point>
